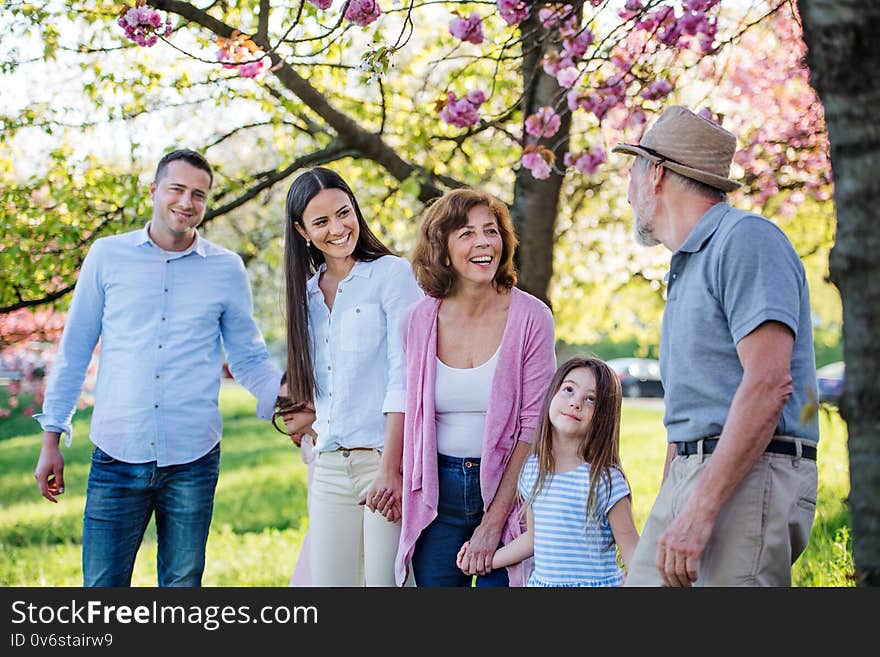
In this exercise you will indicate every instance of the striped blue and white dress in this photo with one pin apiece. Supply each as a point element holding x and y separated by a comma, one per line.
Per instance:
<point>568,550</point>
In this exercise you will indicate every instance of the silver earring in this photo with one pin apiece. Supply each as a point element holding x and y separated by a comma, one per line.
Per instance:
<point>308,242</point>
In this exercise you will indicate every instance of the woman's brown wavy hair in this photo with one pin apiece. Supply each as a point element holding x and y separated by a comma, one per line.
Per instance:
<point>446,214</point>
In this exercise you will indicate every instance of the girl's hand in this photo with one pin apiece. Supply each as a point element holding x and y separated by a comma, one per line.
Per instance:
<point>460,557</point>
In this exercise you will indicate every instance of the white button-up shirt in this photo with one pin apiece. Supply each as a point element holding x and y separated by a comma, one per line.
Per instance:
<point>357,352</point>
<point>164,320</point>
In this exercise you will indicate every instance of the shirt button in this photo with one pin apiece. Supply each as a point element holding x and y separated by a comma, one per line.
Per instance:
<point>357,310</point>
<point>160,346</point>
<point>329,368</point>
<point>157,376</point>
<point>155,405</point>
<point>326,339</point>
<point>163,319</point>
<point>166,289</point>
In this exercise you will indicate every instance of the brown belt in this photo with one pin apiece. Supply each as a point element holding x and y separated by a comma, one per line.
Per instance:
<point>355,449</point>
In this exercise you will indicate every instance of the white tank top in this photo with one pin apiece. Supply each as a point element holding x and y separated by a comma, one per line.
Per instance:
<point>461,397</point>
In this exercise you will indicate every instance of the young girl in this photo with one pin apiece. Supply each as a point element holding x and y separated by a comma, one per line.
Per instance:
<point>577,500</point>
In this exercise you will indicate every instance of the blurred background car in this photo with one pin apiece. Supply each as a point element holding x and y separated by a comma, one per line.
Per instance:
<point>830,378</point>
<point>639,377</point>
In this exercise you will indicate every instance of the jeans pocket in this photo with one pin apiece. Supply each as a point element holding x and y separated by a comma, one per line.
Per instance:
<point>101,457</point>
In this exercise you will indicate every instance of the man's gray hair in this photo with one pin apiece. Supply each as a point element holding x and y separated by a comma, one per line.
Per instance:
<point>687,184</point>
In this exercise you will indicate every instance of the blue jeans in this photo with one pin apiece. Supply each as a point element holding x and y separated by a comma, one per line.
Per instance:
<point>120,500</point>
<point>459,511</point>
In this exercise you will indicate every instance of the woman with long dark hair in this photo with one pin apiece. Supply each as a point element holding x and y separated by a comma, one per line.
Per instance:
<point>347,295</point>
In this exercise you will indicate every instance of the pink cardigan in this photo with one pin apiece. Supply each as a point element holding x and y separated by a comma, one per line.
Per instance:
<point>525,366</point>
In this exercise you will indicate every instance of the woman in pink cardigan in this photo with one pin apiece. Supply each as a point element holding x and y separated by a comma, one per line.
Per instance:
<point>479,357</point>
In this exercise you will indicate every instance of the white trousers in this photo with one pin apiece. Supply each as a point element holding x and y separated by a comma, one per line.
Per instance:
<point>349,545</point>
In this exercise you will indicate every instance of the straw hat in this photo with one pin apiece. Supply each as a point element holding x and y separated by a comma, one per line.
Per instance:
<point>689,145</point>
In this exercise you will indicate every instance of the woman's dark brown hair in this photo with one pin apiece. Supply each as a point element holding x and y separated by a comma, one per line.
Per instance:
<point>301,261</point>
<point>445,215</point>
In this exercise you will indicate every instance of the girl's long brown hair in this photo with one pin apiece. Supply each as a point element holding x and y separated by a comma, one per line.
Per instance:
<point>600,446</point>
<point>301,261</point>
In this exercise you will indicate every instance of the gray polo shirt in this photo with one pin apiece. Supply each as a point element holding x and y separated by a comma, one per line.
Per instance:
<point>735,271</point>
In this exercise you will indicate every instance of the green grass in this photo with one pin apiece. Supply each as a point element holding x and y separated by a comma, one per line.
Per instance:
<point>260,509</point>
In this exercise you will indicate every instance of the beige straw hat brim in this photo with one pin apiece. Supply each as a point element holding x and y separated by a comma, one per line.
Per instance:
<point>689,145</point>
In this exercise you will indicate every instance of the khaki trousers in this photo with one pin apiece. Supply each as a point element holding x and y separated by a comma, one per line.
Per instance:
<point>759,533</point>
<point>349,545</point>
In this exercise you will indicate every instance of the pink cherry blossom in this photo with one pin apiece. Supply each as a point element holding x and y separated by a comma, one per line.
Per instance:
<point>513,12</point>
<point>543,123</point>
<point>462,112</point>
<point>322,4</point>
<point>630,9</point>
<point>550,16</point>
<point>252,69</point>
<point>568,76</point>
<point>144,25</point>
<point>577,45</point>
<point>362,12</point>
<point>553,62</point>
<point>587,162</point>
<point>468,29</point>
<point>539,167</point>
<point>656,90</point>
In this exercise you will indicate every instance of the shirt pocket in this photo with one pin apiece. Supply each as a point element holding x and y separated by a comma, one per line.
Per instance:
<point>362,327</point>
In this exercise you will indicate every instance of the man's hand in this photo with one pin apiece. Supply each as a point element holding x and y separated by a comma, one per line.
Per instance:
<point>680,547</point>
<point>50,467</point>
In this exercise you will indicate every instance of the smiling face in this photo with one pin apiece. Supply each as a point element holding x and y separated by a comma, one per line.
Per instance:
<point>571,409</point>
<point>330,223</point>
<point>475,248</point>
<point>180,198</point>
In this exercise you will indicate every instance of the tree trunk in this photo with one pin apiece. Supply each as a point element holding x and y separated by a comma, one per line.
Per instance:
<point>844,58</point>
<point>536,202</point>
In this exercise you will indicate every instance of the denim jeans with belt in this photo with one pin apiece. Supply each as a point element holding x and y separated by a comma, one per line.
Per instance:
<point>459,511</point>
<point>120,500</point>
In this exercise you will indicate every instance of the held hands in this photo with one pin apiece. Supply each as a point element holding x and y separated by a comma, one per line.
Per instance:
<point>50,468</point>
<point>385,495</point>
<point>459,560</point>
<point>476,558</point>
<point>299,424</point>
<point>293,419</point>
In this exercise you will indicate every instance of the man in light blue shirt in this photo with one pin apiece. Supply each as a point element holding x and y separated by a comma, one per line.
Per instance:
<point>165,304</point>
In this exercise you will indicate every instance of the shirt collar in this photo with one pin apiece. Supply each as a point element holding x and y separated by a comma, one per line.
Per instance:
<point>705,228</point>
<point>142,238</point>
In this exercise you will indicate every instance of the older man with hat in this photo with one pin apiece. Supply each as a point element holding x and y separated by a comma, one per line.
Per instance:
<point>738,498</point>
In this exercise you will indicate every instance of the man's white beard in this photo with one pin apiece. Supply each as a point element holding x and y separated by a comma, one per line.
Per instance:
<point>642,232</point>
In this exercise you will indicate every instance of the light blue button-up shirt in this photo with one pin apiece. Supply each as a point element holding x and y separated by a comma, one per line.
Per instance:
<point>162,317</point>
<point>357,352</point>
